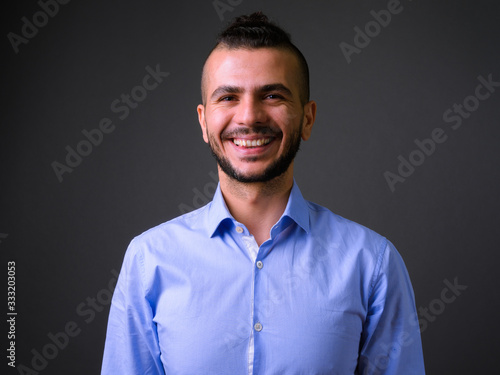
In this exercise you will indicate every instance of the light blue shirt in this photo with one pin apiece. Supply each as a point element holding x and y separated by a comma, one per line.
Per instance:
<point>323,295</point>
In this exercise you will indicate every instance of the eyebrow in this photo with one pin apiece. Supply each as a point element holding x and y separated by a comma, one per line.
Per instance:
<point>277,87</point>
<point>227,89</point>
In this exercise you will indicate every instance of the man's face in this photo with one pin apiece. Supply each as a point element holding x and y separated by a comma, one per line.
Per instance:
<point>253,119</point>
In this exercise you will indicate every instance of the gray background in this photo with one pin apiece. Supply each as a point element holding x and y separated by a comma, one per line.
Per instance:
<point>67,237</point>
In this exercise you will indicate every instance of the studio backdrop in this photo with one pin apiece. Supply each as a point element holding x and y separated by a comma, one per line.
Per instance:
<point>100,141</point>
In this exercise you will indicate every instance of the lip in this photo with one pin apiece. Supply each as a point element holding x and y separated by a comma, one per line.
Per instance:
<point>252,137</point>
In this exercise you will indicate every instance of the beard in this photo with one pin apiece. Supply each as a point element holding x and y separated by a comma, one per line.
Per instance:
<point>277,167</point>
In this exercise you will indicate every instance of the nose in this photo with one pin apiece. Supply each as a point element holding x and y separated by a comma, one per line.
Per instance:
<point>249,111</point>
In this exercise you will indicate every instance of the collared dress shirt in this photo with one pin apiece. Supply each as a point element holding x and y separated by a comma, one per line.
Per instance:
<point>323,295</point>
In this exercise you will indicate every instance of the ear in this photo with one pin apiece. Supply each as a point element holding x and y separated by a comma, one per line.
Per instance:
<point>201,119</point>
<point>309,117</point>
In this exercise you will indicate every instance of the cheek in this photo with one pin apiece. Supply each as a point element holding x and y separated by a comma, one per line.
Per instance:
<point>290,123</point>
<point>288,117</point>
<point>216,121</point>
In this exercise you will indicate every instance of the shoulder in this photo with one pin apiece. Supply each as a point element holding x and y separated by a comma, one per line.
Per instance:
<point>324,218</point>
<point>374,252</point>
<point>176,230</point>
<point>345,232</point>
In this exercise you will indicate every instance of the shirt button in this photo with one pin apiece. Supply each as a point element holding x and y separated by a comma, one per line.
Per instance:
<point>258,327</point>
<point>239,229</point>
<point>259,264</point>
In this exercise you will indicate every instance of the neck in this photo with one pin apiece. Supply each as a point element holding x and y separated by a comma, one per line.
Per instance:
<point>257,205</point>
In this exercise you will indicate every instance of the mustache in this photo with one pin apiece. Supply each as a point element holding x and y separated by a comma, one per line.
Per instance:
<point>260,130</point>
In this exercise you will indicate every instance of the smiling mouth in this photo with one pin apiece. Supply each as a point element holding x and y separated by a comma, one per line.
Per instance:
<point>248,143</point>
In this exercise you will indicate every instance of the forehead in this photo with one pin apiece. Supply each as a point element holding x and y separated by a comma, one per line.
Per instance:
<point>248,68</point>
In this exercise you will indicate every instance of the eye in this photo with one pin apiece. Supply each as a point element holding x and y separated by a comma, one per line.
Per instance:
<point>274,96</point>
<point>227,98</point>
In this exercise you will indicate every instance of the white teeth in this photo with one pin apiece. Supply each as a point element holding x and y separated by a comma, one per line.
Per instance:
<point>251,143</point>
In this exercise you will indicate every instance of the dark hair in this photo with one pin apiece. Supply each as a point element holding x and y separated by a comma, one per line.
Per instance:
<point>256,31</point>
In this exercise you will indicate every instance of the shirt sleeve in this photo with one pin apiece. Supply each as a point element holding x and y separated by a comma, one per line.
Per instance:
<point>390,342</point>
<point>131,345</point>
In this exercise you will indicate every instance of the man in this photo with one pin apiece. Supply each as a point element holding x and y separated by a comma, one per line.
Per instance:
<point>260,281</point>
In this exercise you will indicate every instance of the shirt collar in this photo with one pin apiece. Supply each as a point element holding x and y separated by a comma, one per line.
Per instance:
<point>217,212</point>
<point>296,209</point>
